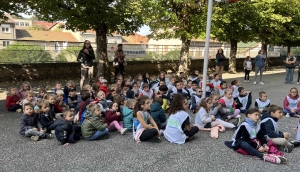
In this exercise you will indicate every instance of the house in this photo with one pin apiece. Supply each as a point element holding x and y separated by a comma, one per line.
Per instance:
<point>8,32</point>
<point>22,23</point>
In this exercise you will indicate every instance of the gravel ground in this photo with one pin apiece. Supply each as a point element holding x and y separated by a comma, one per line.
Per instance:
<point>121,153</point>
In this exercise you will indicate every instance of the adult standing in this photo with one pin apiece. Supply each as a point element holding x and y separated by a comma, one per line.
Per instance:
<point>289,68</point>
<point>220,62</point>
<point>86,57</point>
<point>259,63</point>
<point>119,61</point>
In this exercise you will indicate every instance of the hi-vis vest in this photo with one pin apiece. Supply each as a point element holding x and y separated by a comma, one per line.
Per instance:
<point>262,105</point>
<point>244,101</point>
<point>292,103</point>
<point>251,130</point>
<point>274,125</point>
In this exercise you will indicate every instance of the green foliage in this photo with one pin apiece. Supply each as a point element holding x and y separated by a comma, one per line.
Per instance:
<point>69,54</point>
<point>12,7</point>
<point>20,52</point>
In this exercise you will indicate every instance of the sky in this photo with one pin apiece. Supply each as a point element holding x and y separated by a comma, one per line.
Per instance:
<point>144,30</point>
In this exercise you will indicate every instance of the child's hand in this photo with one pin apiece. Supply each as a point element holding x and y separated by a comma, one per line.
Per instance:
<point>261,149</point>
<point>295,129</point>
<point>118,113</point>
<point>261,110</point>
<point>66,144</point>
<point>213,117</point>
<point>42,131</point>
<point>266,148</point>
<point>35,129</point>
<point>286,135</point>
<point>219,106</point>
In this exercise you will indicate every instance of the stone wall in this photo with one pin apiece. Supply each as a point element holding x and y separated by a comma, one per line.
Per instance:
<point>39,71</point>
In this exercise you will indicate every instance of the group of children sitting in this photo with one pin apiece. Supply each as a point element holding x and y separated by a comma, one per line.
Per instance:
<point>139,104</point>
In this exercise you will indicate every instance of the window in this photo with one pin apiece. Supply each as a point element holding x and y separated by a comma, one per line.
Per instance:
<point>21,23</point>
<point>56,46</point>
<point>5,28</point>
<point>17,23</point>
<point>26,24</point>
<point>5,44</point>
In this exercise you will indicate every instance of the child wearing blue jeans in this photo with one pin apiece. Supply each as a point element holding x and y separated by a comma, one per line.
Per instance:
<point>92,127</point>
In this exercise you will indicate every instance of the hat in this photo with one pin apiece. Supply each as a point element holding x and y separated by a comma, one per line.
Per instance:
<point>104,80</point>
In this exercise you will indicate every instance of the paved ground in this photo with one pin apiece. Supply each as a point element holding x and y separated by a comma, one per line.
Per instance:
<point>121,153</point>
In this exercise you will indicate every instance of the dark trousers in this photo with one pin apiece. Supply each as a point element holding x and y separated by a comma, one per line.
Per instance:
<point>252,151</point>
<point>192,132</point>
<point>71,138</point>
<point>298,75</point>
<point>247,72</point>
<point>120,70</point>
<point>148,134</point>
<point>15,107</point>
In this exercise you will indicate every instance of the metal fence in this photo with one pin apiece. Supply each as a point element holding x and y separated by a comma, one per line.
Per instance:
<point>150,52</point>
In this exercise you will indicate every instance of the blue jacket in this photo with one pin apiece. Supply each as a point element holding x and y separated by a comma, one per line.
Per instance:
<point>267,127</point>
<point>157,113</point>
<point>127,117</point>
<point>259,60</point>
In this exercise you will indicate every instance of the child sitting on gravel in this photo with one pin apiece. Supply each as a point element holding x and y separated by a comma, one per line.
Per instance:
<point>45,116</point>
<point>30,125</point>
<point>269,127</point>
<point>30,98</point>
<point>291,104</point>
<point>92,127</point>
<point>12,102</point>
<point>262,103</point>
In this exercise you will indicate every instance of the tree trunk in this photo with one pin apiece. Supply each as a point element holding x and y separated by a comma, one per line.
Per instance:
<point>184,61</point>
<point>232,60</point>
<point>288,49</point>
<point>264,46</point>
<point>101,41</point>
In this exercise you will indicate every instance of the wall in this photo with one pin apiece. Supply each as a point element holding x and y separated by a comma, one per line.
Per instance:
<point>39,71</point>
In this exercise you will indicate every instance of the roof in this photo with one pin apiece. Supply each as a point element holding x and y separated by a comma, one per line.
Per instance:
<point>46,25</point>
<point>9,20</point>
<point>36,35</point>
<point>135,39</point>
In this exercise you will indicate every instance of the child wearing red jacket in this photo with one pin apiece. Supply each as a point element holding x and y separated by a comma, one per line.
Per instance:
<point>12,102</point>
<point>113,119</point>
<point>103,87</point>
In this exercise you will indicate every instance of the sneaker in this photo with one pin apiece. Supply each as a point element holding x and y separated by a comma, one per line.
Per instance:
<point>261,83</point>
<point>161,132</point>
<point>228,117</point>
<point>237,117</point>
<point>254,83</point>
<point>297,83</point>
<point>52,132</point>
<point>286,149</point>
<point>123,131</point>
<point>296,143</point>
<point>287,115</point>
<point>272,158</point>
<point>154,140</point>
<point>19,110</point>
<point>245,81</point>
<point>35,138</point>
<point>283,160</point>
<point>106,136</point>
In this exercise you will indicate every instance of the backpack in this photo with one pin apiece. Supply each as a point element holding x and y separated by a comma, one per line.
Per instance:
<point>82,116</point>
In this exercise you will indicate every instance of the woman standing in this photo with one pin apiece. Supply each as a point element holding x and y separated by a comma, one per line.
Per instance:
<point>86,57</point>
<point>220,62</point>
<point>259,62</point>
<point>119,61</point>
<point>289,68</point>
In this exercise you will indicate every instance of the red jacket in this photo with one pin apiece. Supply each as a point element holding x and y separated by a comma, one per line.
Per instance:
<point>222,102</point>
<point>11,101</point>
<point>57,108</point>
<point>104,89</point>
<point>111,116</point>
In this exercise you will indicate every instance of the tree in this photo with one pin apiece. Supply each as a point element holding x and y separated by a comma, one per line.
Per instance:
<point>103,16</point>
<point>20,52</point>
<point>69,54</point>
<point>176,19</point>
<point>232,23</point>
<point>12,7</point>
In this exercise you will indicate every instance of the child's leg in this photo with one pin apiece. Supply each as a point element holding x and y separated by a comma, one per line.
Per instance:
<point>97,135</point>
<point>148,134</point>
<point>281,141</point>
<point>235,113</point>
<point>15,107</point>
<point>248,74</point>
<point>192,132</point>
<point>121,124</point>
<point>245,74</point>
<point>32,132</point>
<point>223,123</point>
<point>252,151</point>
<point>114,125</point>
<point>298,75</point>
<point>77,133</point>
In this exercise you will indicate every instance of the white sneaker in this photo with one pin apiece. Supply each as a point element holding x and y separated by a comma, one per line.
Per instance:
<point>287,115</point>
<point>161,132</point>
<point>297,83</point>
<point>123,130</point>
<point>247,80</point>
<point>238,116</point>
<point>254,83</point>
<point>261,83</point>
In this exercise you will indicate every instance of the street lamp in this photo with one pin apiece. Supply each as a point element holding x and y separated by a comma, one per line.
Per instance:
<point>207,41</point>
